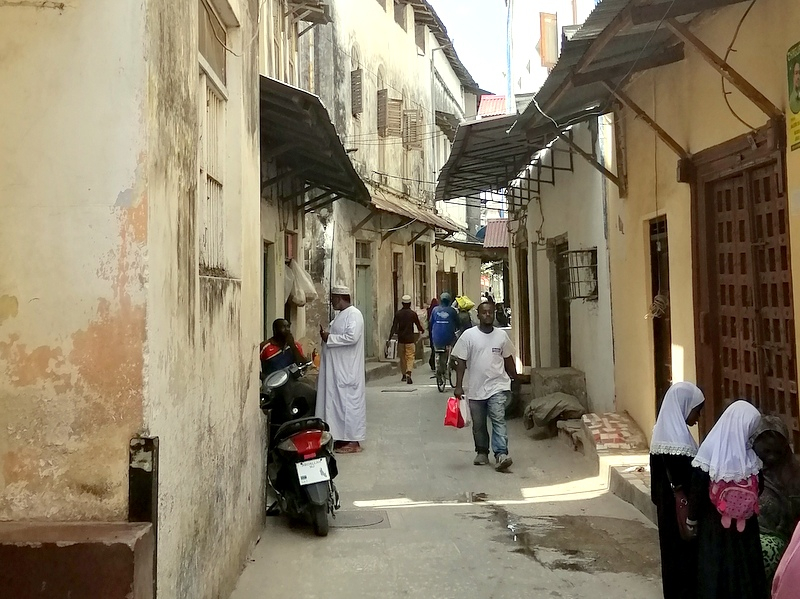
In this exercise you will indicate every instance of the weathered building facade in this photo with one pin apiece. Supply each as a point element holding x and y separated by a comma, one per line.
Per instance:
<point>378,66</point>
<point>129,298</point>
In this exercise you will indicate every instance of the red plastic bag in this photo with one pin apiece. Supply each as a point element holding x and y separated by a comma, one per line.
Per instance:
<point>453,417</point>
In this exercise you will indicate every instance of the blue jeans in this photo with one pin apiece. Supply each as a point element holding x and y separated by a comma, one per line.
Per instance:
<point>494,409</point>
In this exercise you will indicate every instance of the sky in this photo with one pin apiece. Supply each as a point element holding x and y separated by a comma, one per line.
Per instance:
<point>478,31</point>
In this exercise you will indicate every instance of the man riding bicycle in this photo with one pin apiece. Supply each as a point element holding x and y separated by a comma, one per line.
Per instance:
<point>443,326</point>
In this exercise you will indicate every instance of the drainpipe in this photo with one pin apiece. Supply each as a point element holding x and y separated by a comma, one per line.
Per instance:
<point>510,104</point>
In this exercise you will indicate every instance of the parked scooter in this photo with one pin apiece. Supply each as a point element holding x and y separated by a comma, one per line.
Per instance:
<point>300,463</point>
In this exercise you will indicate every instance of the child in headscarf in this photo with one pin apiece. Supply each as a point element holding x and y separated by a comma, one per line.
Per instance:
<point>729,553</point>
<point>672,449</point>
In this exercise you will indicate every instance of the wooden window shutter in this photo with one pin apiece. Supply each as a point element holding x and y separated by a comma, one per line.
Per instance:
<point>356,91</point>
<point>394,118</point>
<point>383,112</point>
<point>412,125</point>
<point>548,43</point>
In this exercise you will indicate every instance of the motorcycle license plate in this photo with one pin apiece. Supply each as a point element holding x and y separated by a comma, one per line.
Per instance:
<point>313,471</point>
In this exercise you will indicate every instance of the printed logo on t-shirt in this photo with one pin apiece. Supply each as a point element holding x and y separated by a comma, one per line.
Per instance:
<point>497,350</point>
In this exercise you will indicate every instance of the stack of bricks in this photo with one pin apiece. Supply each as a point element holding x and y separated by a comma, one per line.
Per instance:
<point>614,433</point>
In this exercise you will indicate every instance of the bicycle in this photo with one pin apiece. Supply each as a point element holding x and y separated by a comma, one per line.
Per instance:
<point>444,368</point>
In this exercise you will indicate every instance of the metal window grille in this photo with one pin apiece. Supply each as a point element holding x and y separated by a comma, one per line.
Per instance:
<point>212,158</point>
<point>579,270</point>
<point>364,251</point>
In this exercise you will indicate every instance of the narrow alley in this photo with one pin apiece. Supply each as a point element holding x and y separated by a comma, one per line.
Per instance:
<point>419,520</point>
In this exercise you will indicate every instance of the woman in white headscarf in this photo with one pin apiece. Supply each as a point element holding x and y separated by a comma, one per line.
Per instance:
<point>730,561</point>
<point>672,449</point>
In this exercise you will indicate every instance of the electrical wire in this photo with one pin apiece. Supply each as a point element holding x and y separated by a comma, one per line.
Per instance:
<point>619,83</point>
<point>730,49</point>
<point>214,30</point>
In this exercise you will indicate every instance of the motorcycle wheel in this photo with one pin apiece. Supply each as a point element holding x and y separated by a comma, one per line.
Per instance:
<point>320,520</point>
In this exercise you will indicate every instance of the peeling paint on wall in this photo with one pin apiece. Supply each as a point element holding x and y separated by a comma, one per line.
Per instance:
<point>9,307</point>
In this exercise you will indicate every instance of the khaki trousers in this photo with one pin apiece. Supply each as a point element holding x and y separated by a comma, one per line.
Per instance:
<point>407,355</point>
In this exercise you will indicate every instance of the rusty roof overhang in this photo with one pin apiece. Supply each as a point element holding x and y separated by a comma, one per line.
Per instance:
<point>297,132</point>
<point>412,212</point>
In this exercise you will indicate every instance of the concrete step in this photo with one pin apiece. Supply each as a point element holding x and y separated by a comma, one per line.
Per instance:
<point>619,447</point>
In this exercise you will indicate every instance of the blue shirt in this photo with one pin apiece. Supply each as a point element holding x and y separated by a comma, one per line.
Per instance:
<point>444,324</point>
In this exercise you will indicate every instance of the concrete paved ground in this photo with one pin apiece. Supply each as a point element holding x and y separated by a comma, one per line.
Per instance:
<point>419,520</point>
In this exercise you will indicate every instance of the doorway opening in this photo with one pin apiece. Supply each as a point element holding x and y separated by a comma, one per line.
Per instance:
<point>267,272</point>
<point>563,303</point>
<point>365,295</point>
<point>659,312</point>
<point>743,284</point>
<point>523,310</point>
<point>397,278</point>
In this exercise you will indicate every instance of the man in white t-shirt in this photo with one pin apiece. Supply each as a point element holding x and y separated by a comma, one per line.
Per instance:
<point>487,353</point>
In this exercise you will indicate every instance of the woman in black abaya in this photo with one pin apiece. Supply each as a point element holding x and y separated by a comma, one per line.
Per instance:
<point>672,449</point>
<point>730,562</point>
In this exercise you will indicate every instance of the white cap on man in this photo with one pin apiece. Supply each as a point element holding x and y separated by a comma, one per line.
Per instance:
<point>406,299</point>
<point>340,290</point>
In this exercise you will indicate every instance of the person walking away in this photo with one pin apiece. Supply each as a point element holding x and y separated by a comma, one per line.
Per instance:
<point>787,577</point>
<point>280,350</point>
<point>779,504</point>
<point>464,305</point>
<point>487,353</point>
<point>432,359</point>
<point>341,391</point>
<point>724,499</point>
<point>403,325</point>
<point>672,450</point>
<point>443,327</point>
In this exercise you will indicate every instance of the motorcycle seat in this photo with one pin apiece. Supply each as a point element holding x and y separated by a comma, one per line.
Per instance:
<point>291,427</point>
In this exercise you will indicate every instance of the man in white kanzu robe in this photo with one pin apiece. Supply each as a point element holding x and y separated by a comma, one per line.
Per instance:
<point>341,390</point>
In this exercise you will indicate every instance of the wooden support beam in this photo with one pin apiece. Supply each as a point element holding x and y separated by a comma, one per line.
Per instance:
<point>362,223</point>
<point>671,55</point>
<point>403,221</point>
<point>652,13</point>
<point>724,69</point>
<point>318,201</point>
<point>285,175</point>
<point>621,151</point>
<point>297,194</point>
<point>590,159</point>
<point>271,153</point>
<point>418,235</point>
<point>665,137</point>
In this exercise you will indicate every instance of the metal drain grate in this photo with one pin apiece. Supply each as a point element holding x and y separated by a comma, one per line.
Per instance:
<point>361,519</point>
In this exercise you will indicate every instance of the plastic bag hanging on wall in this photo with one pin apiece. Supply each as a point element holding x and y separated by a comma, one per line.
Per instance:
<point>304,282</point>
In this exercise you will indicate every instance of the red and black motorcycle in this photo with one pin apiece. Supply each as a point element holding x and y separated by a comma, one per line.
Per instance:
<point>300,463</point>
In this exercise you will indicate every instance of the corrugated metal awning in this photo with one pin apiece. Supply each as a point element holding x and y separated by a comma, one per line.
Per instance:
<point>297,132</point>
<point>496,235</point>
<point>619,38</point>
<point>413,211</point>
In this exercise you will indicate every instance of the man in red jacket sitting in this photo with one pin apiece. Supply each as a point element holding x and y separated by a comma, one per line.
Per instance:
<point>280,350</point>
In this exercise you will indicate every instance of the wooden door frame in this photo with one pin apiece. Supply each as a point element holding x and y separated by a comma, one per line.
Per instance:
<point>727,159</point>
